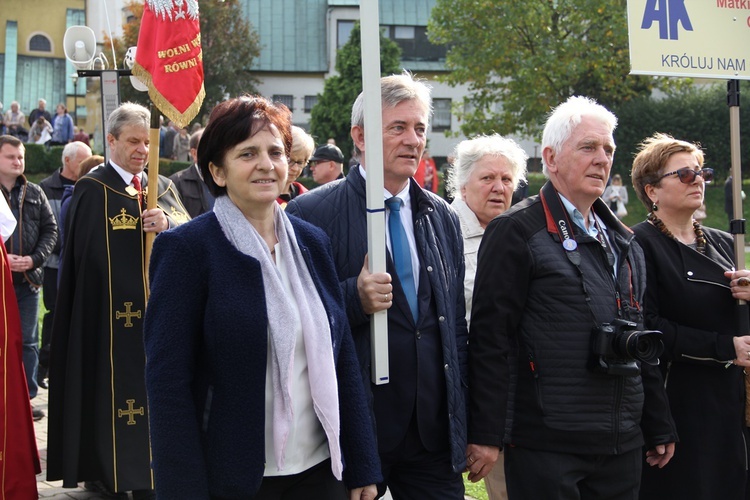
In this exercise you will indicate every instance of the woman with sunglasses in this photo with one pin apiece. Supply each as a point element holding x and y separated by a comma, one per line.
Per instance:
<point>688,298</point>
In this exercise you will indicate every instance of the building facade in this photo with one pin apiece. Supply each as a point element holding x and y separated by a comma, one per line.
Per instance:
<point>32,59</point>
<point>299,40</point>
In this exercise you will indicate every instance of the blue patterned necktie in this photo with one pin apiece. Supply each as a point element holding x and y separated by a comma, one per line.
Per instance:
<point>402,254</point>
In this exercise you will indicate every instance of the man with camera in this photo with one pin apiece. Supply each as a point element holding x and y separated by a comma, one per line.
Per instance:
<point>561,376</point>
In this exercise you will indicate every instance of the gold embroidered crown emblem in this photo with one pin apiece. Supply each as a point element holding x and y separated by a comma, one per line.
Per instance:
<point>178,216</point>
<point>123,221</point>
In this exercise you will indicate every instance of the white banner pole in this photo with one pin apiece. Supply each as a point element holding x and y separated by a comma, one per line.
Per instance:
<point>370,29</point>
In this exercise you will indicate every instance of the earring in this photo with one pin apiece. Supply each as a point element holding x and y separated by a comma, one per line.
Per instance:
<point>654,207</point>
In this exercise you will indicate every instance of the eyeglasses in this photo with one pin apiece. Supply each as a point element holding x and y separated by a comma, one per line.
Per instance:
<point>687,175</point>
<point>297,163</point>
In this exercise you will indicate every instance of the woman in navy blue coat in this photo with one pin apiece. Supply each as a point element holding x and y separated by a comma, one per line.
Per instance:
<point>252,379</point>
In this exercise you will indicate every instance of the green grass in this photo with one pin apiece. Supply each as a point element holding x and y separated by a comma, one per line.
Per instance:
<point>475,490</point>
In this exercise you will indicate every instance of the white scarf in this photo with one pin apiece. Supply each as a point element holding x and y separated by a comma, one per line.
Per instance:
<point>315,327</point>
<point>7,220</point>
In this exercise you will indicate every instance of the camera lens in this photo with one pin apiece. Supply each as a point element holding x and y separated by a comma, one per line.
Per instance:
<point>645,346</point>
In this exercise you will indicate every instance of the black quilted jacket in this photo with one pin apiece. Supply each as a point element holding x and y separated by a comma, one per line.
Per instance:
<point>339,209</point>
<point>36,233</point>
<point>529,308</point>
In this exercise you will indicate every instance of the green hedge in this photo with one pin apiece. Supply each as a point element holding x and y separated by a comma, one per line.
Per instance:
<point>169,167</point>
<point>41,162</point>
<point>309,183</point>
<point>714,199</point>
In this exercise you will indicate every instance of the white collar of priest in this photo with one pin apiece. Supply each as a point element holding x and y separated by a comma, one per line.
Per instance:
<point>127,177</point>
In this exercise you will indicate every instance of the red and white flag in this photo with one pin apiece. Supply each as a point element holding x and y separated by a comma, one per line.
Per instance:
<point>169,59</point>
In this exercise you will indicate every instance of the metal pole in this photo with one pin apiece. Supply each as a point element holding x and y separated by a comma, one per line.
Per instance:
<point>737,225</point>
<point>370,26</point>
<point>110,95</point>
<point>75,100</point>
<point>153,177</point>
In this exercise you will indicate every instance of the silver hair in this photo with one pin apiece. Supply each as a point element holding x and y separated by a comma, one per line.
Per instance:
<point>302,142</point>
<point>467,153</point>
<point>71,149</point>
<point>394,89</point>
<point>128,113</point>
<point>566,117</point>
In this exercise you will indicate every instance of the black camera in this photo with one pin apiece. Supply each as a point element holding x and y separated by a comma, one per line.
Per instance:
<point>616,346</point>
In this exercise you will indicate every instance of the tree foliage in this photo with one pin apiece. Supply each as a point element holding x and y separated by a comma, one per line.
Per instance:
<point>331,115</point>
<point>520,59</point>
<point>229,48</point>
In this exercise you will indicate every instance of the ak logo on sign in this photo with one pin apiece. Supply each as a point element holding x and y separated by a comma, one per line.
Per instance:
<point>669,15</point>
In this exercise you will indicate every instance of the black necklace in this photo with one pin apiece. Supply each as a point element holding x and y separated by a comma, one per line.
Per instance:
<point>700,238</point>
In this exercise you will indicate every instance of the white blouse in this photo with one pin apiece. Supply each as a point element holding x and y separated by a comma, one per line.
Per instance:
<point>306,444</point>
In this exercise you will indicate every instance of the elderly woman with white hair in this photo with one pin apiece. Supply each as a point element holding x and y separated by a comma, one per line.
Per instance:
<point>486,171</point>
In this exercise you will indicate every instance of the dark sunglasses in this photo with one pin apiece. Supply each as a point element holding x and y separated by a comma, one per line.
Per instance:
<point>687,175</point>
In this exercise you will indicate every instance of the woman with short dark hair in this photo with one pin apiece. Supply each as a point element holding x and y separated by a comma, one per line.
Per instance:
<point>691,279</point>
<point>252,377</point>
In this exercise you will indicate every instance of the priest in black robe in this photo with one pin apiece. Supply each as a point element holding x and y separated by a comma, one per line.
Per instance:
<point>98,416</point>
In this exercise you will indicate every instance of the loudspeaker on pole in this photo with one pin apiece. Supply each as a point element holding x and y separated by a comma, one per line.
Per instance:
<point>79,45</point>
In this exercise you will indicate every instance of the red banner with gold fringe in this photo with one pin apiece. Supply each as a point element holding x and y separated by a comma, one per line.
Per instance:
<point>169,59</point>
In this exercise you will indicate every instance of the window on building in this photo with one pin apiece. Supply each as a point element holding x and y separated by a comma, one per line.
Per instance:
<point>344,29</point>
<point>285,99</point>
<point>414,43</point>
<point>441,118</point>
<point>128,16</point>
<point>40,43</point>
<point>310,101</point>
<point>403,32</point>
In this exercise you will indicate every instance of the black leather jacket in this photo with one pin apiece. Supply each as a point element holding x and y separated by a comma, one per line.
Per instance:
<point>36,233</point>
